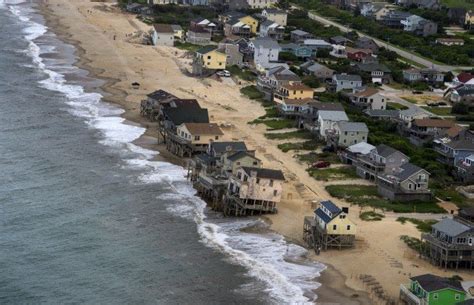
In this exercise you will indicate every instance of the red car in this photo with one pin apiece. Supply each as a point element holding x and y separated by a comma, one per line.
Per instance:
<point>321,164</point>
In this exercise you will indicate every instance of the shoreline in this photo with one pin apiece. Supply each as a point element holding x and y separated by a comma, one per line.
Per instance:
<point>333,289</point>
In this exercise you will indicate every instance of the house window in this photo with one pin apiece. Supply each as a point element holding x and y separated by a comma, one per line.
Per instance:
<point>348,227</point>
<point>238,163</point>
<point>246,178</point>
<point>334,227</point>
<point>209,57</point>
<point>217,137</point>
<point>435,296</point>
<point>197,138</point>
<point>457,296</point>
<point>409,186</point>
<point>271,182</point>
<point>255,163</point>
<point>275,192</point>
<point>258,180</point>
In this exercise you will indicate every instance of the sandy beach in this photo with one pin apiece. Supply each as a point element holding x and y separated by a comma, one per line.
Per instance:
<point>101,34</point>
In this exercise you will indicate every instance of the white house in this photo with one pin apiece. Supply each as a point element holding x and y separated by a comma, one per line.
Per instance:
<point>408,115</point>
<point>265,50</point>
<point>253,186</point>
<point>163,35</point>
<point>345,82</point>
<point>261,3</point>
<point>369,98</point>
<point>328,119</point>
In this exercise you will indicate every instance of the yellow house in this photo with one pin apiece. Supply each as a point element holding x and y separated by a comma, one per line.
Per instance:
<point>294,91</point>
<point>210,58</point>
<point>199,134</point>
<point>178,31</point>
<point>469,20</point>
<point>251,22</point>
<point>334,221</point>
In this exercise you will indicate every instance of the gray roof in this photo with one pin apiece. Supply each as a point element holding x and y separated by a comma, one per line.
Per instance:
<point>352,126</point>
<point>266,42</point>
<point>361,148</point>
<point>265,173</point>
<point>274,11</point>
<point>300,33</point>
<point>206,49</point>
<point>465,90</point>
<point>314,66</point>
<point>240,154</point>
<point>191,115</point>
<point>331,115</point>
<point>328,204</point>
<point>221,147</point>
<point>411,111</point>
<point>407,170</point>
<point>385,150</point>
<point>321,215</point>
<point>430,282</point>
<point>370,67</point>
<point>267,23</point>
<point>382,113</point>
<point>462,144</point>
<point>348,77</point>
<point>451,227</point>
<point>320,106</point>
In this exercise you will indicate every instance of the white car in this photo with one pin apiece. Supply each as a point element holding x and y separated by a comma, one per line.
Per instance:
<point>223,73</point>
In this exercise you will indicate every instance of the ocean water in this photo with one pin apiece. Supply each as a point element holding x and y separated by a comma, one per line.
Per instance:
<point>86,216</point>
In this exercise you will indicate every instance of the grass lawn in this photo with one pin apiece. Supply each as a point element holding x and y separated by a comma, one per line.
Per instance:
<point>396,106</point>
<point>367,195</point>
<point>275,124</point>
<point>469,5</point>
<point>450,194</point>
<point>338,173</point>
<point>252,92</point>
<point>312,157</point>
<point>438,110</point>
<point>410,99</point>
<point>186,46</point>
<point>242,73</point>
<point>371,216</point>
<point>298,134</point>
<point>414,243</point>
<point>422,225</point>
<point>307,145</point>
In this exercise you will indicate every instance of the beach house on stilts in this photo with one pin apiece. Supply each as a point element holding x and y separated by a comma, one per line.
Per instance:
<point>253,190</point>
<point>329,228</point>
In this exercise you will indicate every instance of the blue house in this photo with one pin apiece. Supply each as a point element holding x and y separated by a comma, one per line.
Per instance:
<point>298,50</point>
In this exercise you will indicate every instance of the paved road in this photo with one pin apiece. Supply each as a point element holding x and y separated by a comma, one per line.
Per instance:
<point>401,52</point>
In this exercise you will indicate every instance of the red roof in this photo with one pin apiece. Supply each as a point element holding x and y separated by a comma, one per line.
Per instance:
<point>464,77</point>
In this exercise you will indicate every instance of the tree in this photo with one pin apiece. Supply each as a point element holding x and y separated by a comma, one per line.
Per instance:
<point>460,108</point>
<point>448,77</point>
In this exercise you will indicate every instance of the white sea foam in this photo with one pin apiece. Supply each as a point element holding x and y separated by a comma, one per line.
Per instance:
<point>267,257</point>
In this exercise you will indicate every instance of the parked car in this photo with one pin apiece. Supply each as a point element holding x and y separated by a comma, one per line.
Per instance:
<point>321,164</point>
<point>223,73</point>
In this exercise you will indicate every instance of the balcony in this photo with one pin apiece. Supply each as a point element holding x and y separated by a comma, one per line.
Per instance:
<point>409,297</point>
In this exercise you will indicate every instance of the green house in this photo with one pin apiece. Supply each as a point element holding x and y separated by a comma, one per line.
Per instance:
<point>432,290</point>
